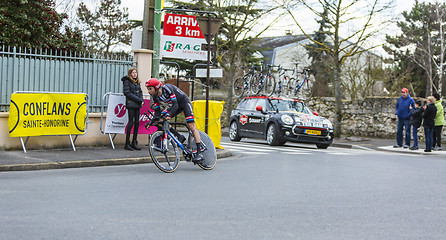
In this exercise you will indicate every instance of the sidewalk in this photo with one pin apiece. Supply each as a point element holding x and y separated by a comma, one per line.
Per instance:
<point>106,156</point>
<point>83,157</point>
<point>381,144</point>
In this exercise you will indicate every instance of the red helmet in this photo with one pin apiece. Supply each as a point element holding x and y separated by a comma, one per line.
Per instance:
<point>153,82</point>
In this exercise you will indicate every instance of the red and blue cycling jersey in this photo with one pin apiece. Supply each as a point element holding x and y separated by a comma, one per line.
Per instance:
<point>178,101</point>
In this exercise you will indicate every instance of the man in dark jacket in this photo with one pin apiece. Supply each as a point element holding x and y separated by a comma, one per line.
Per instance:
<point>416,117</point>
<point>430,111</point>
<point>403,114</point>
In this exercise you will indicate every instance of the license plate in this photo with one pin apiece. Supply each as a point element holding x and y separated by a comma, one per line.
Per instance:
<point>313,132</point>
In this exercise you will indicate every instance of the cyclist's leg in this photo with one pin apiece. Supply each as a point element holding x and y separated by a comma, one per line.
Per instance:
<point>190,119</point>
<point>189,114</point>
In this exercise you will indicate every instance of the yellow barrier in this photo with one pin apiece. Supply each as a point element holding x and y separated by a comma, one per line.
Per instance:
<point>214,124</point>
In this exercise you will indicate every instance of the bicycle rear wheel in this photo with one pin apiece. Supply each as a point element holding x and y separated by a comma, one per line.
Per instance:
<point>269,85</point>
<point>240,86</point>
<point>307,88</point>
<point>209,153</point>
<point>164,152</point>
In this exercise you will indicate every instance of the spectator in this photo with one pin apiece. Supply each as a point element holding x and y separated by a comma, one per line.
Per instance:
<point>416,115</point>
<point>133,102</point>
<point>403,114</point>
<point>439,122</point>
<point>429,122</point>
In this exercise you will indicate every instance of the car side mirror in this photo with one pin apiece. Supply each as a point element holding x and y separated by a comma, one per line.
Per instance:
<point>260,109</point>
<point>316,113</point>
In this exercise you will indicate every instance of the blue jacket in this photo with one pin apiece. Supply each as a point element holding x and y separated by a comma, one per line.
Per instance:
<point>402,107</point>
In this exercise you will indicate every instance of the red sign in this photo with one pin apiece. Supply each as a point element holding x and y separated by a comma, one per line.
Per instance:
<point>181,26</point>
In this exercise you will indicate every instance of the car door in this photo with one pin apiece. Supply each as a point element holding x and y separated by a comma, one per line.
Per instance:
<point>240,114</point>
<point>256,119</point>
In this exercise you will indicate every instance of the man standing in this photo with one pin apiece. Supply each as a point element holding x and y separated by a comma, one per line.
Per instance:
<point>403,114</point>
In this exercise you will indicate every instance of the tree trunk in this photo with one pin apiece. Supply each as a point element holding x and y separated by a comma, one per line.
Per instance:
<point>338,98</point>
<point>230,101</point>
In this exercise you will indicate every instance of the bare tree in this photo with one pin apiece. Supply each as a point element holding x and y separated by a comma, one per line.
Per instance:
<point>107,27</point>
<point>361,18</point>
<point>362,75</point>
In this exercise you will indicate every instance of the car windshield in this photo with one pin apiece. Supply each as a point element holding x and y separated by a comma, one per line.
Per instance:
<point>289,105</point>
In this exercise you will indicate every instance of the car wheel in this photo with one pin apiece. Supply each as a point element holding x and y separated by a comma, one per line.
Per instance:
<point>322,146</point>
<point>233,132</point>
<point>272,136</point>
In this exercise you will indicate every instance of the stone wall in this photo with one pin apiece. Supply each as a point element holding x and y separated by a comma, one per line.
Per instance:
<point>371,117</point>
<point>374,117</point>
<point>368,117</point>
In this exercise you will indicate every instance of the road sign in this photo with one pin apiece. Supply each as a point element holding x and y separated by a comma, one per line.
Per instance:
<point>204,47</point>
<point>182,38</point>
<point>214,73</point>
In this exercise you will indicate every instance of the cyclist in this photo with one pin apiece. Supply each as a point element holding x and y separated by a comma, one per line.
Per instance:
<point>179,102</point>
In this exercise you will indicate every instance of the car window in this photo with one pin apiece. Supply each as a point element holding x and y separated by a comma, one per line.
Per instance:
<point>262,102</point>
<point>287,105</point>
<point>242,104</point>
<point>251,104</point>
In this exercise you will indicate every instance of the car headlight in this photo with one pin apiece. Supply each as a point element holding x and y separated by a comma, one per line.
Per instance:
<point>327,124</point>
<point>287,119</point>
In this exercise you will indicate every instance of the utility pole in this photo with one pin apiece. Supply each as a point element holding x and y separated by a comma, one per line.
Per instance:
<point>151,28</point>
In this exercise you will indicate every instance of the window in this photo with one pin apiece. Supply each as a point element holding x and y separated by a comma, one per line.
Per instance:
<point>251,104</point>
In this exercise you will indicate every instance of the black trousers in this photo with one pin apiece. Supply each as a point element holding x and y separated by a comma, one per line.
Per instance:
<point>133,122</point>
<point>437,136</point>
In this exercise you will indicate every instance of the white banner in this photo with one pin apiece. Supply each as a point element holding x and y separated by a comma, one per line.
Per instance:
<point>117,118</point>
<point>183,48</point>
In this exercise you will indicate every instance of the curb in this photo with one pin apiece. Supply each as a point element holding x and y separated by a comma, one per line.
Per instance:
<point>89,163</point>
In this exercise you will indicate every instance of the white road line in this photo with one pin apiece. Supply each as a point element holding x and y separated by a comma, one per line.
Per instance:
<point>249,148</point>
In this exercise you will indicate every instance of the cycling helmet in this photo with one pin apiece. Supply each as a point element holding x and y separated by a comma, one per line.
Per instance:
<point>153,82</point>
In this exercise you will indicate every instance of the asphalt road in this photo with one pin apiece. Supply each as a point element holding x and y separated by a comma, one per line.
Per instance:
<point>290,192</point>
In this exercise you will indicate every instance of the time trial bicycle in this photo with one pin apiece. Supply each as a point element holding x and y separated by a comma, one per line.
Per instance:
<point>164,147</point>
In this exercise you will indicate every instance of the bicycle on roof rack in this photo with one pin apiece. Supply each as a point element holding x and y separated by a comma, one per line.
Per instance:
<point>304,88</point>
<point>265,82</point>
<point>242,85</point>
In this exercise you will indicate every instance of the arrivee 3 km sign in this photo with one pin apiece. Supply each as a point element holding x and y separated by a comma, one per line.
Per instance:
<point>182,38</point>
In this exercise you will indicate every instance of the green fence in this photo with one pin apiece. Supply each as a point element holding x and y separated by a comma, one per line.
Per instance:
<point>23,69</point>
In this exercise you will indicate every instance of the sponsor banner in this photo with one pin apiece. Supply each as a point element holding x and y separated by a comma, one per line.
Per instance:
<point>38,114</point>
<point>143,119</point>
<point>117,117</point>
<point>182,38</point>
<point>183,48</point>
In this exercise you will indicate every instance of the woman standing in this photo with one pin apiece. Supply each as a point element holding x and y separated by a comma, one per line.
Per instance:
<point>439,122</point>
<point>133,102</point>
<point>429,122</point>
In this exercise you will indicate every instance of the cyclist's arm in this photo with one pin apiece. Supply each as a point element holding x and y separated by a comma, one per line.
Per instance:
<point>173,101</point>
<point>156,108</point>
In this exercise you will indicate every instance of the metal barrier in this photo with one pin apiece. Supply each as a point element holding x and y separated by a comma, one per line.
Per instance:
<point>24,69</point>
<point>118,119</point>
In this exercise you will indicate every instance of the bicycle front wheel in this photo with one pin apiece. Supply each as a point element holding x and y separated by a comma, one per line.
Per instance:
<point>164,152</point>
<point>256,84</point>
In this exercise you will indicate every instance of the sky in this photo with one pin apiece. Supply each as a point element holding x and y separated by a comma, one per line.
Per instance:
<point>136,9</point>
